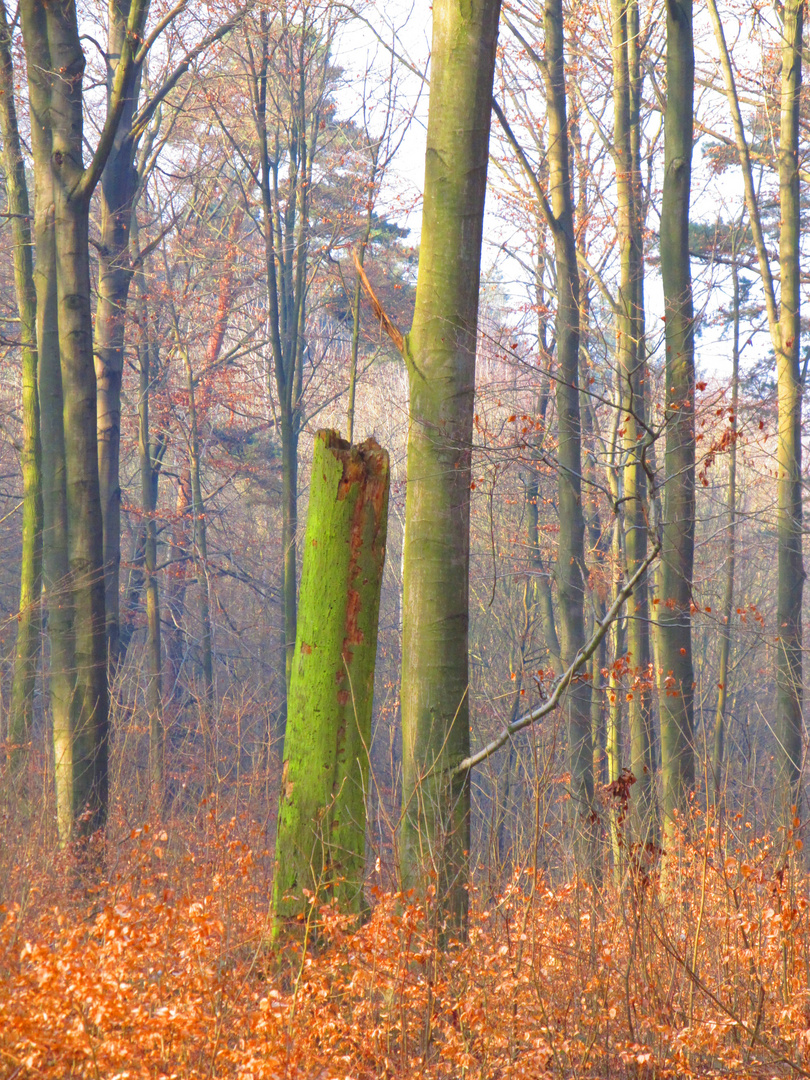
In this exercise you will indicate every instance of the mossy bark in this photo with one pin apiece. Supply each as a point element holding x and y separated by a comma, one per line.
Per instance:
<point>320,844</point>
<point>434,837</point>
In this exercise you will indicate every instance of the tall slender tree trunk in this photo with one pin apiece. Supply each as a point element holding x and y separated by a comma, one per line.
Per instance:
<point>731,551</point>
<point>676,691</point>
<point>178,578</point>
<point>85,551</point>
<point>618,638</point>
<point>542,601</point>
<point>790,568</point>
<point>119,184</point>
<point>614,741</point>
<point>644,802</point>
<point>441,360</point>
<point>571,548</point>
<point>29,617</point>
<point>597,548</point>
<point>785,328</point>
<point>199,534</point>
<point>286,243</point>
<point>150,456</point>
<point>361,258</point>
<point>56,582</point>
<point>631,361</point>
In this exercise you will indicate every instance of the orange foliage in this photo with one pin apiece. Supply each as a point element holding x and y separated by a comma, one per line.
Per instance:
<point>164,970</point>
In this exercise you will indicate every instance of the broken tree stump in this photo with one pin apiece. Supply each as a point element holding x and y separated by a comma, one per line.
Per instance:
<point>320,840</point>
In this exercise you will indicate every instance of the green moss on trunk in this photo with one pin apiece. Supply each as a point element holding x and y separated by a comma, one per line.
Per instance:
<point>320,845</point>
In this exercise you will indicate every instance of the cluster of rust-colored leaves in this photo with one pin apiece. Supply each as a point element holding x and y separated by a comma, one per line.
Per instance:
<point>161,967</point>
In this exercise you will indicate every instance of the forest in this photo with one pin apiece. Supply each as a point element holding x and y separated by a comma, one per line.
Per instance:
<point>401,507</point>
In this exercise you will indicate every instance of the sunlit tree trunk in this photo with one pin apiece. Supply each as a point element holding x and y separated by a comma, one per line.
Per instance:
<point>28,620</point>
<point>434,838</point>
<point>676,693</point>
<point>644,801</point>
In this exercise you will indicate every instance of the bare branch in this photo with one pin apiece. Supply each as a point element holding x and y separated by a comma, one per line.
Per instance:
<point>568,676</point>
<point>393,332</point>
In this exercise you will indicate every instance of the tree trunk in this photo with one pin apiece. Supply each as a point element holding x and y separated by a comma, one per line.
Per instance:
<point>85,550</point>
<point>286,243</point>
<point>61,388</point>
<point>119,184</point>
<point>320,845</point>
<point>199,535</point>
<point>57,591</point>
<point>71,480</point>
<point>175,595</point>
<point>789,452</point>
<point>676,690</point>
<point>785,328</point>
<point>441,348</point>
<point>618,638</point>
<point>731,532</point>
<point>29,617</point>
<point>150,457</point>
<point>630,355</point>
<point>571,549</point>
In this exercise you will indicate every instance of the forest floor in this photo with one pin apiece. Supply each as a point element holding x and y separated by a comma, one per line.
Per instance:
<point>160,965</point>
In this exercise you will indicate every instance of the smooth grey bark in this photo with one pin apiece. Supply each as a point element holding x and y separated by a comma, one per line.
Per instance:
<point>440,348</point>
